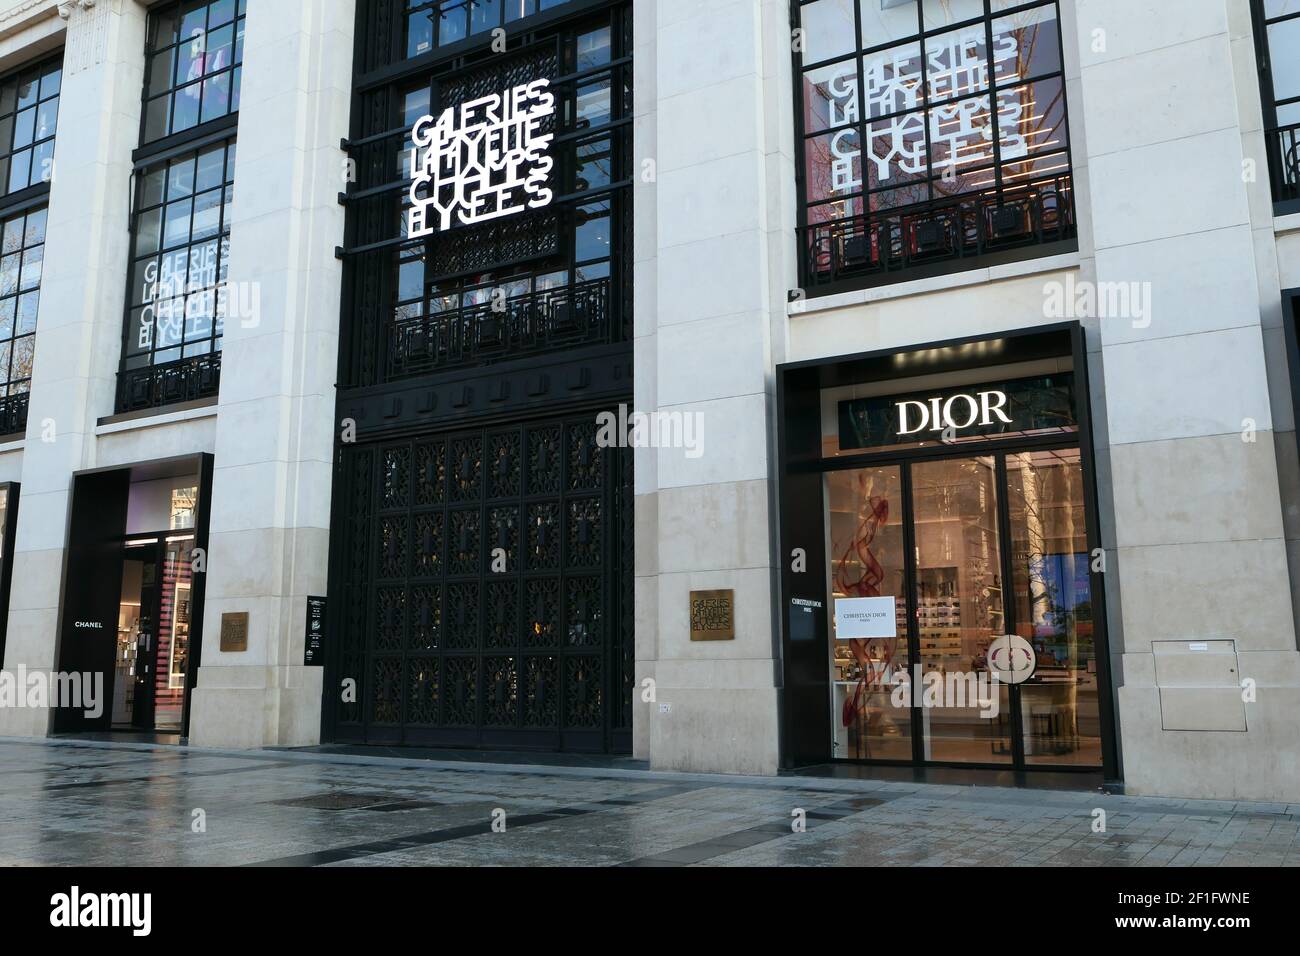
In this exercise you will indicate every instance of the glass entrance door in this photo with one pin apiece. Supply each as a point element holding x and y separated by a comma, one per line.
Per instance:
<point>959,609</point>
<point>973,555</point>
<point>153,635</point>
<point>137,630</point>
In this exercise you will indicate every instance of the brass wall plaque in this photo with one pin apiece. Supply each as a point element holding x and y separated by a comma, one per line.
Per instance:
<point>234,631</point>
<point>713,615</point>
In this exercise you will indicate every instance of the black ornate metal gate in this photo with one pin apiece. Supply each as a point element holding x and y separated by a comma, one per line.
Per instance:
<point>481,606</point>
<point>481,543</point>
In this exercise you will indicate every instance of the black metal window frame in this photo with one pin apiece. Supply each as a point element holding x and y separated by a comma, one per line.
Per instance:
<point>444,22</point>
<point>22,255</point>
<point>193,375</point>
<point>217,83</point>
<point>29,124</point>
<point>19,205</point>
<point>1015,217</point>
<point>803,502</point>
<point>470,316</point>
<point>177,297</point>
<point>1281,114</point>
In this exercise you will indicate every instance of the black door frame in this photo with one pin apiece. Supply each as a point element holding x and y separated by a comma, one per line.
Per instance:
<point>156,542</point>
<point>92,576</point>
<point>806,705</point>
<point>13,491</point>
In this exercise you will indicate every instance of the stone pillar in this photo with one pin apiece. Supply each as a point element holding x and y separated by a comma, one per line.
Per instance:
<point>1200,550</point>
<point>79,327</point>
<point>270,520</point>
<point>715,250</point>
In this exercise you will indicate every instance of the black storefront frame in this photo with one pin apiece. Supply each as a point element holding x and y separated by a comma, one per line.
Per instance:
<point>1291,335</point>
<point>13,491</point>
<point>92,577</point>
<point>806,700</point>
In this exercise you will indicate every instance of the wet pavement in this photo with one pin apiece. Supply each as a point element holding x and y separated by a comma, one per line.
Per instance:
<point>92,803</point>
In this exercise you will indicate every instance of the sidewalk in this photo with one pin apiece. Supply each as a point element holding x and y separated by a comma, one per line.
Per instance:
<point>98,802</point>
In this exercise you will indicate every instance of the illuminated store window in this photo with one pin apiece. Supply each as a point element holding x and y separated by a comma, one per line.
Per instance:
<point>439,23</point>
<point>193,70</point>
<point>1277,24</point>
<point>932,131</point>
<point>29,114</point>
<point>22,254</point>
<point>178,298</point>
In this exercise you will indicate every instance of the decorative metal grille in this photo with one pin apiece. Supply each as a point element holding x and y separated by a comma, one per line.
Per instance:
<point>1284,162</point>
<point>13,413</point>
<point>529,325</point>
<point>488,588</point>
<point>891,240</point>
<point>154,386</point>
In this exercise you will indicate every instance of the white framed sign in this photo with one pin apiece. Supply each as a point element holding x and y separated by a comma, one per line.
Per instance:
<point>866,617</point>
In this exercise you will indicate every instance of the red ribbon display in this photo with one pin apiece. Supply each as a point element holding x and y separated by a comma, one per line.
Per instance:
<point>866,585</point>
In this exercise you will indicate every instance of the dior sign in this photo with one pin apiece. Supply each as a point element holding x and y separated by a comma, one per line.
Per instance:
<point>1016,406</point>
<point>957,411</point>
<point>481,160</point>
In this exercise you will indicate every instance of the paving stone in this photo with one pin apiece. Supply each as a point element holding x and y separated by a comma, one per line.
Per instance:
<point>72,803</point>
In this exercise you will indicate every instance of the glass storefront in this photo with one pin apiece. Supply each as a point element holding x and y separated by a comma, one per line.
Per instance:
<point>963,549</point>
<point>957,625</point>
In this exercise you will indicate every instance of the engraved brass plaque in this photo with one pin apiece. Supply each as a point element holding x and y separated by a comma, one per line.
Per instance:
<point>234,631</point>
<point>713,615</point>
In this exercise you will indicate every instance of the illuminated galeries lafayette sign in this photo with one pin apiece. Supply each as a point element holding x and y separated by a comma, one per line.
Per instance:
<point>481,160</point>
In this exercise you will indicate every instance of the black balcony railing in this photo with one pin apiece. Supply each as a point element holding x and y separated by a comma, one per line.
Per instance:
<point>157,386</point>
<point>13,413</point>
<point>1284,163</point>
<point>541,322</point>
<point>884,245</point>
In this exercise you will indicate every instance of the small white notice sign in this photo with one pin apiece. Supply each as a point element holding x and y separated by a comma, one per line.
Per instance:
<point>865,617</point>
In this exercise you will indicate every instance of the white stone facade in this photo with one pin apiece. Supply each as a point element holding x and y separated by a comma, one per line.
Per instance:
<point>1201,528</point>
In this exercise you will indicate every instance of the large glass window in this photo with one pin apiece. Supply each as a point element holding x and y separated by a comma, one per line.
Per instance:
<point>22,255</point>
<point>1052,590</point>
<point>29,114</point>
<point>1278,23</point>
<point>193,69</point>
<point>439,23</point>
<point>867,561</point>
<point>538,278</point>
<point>940,131</point>
<point>180,256</point>
<point>958,558</point>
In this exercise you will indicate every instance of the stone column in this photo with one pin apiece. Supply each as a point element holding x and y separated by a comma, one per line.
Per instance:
<point>1201,556</point>
<point>270,521</point>
<point>717,255</point>
<point>79,327</point>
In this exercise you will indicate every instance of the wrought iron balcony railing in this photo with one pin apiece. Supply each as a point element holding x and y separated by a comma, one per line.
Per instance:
<point>884,245</point>
<point>541,322</point>
<point>13,413</point>
<point>1284,162</point>
<point>156,386</point>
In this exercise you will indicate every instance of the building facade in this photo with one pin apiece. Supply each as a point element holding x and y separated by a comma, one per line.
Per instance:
<point>735,385</point>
